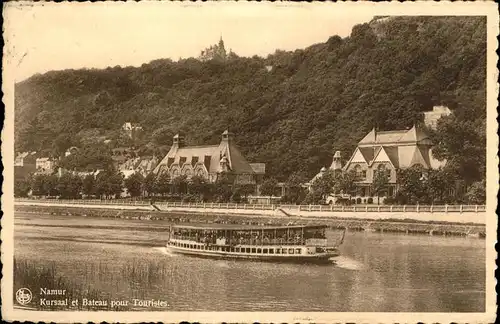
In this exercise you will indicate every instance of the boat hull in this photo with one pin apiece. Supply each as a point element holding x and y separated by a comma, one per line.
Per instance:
<point>317,258</point>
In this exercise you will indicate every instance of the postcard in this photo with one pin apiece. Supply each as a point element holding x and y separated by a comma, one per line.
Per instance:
<point>249,162</point>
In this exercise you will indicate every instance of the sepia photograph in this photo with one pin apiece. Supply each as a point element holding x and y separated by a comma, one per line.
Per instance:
<point>249,162</point>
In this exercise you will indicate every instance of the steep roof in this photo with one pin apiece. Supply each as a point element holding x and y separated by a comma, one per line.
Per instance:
<point>190,152</point>
<point>209,155</point>
<point>237,162</point>
<point>385,137</point>
<point>368,153</point>
<point>415,134</point>
<point>392,153</point>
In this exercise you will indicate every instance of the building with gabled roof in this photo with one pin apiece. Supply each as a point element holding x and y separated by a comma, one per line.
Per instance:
<point>208,161</point>
<point>390,151</point>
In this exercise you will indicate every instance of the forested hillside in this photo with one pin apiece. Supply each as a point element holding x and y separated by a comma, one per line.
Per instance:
<point>292,117</point>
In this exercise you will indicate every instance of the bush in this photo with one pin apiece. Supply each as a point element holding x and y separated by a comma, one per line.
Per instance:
<point>370,200</point>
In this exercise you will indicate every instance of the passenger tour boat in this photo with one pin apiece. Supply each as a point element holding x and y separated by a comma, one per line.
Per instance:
<point>297,243</point>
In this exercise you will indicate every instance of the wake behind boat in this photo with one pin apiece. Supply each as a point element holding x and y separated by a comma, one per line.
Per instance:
<point>298,243</point>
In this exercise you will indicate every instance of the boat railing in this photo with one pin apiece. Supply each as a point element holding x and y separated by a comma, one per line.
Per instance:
<point>242,241</point>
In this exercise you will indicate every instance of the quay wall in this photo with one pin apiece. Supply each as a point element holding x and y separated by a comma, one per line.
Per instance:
<point>451,217</point>
<point>470,215</point>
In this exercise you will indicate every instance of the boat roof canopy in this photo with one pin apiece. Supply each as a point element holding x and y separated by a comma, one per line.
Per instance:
<point>239,227</point>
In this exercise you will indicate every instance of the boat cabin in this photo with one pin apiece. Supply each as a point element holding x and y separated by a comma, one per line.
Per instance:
<point>251,235</point>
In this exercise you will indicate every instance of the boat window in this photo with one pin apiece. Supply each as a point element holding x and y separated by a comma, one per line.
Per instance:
<point>264,250</point>
<point>297,251</point>
<point>232,249</point>
<point>253,250</point>
<point>290,251</point>
<point>278,251</point>
<point>271,251</point>
<point>247,250</point>
<point>259,250</point>
<point>237,249</point>
<point>284,251</point>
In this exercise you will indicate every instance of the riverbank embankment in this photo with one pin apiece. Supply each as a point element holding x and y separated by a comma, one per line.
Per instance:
<point>384,223</point>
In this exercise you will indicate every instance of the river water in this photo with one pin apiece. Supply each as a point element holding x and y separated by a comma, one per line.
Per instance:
<point>125,259</point>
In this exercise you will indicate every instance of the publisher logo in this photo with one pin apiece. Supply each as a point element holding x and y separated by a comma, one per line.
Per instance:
<point>23,296</point>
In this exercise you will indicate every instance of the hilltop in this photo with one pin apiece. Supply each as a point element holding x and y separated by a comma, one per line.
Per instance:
<point>291,110</point>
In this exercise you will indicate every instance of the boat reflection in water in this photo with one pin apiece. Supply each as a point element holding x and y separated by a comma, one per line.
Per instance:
<point>297,243</point>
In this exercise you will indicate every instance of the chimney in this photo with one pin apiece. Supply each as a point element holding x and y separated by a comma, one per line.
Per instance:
<point>178,140</point>
<point>227,136</point>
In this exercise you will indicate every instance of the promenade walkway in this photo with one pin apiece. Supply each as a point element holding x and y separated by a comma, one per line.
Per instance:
<point>452,213</point>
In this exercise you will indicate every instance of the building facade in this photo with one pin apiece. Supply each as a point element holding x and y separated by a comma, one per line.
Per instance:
<point>143,165</point>
<point>431,117</point>
<point>24,165</point>
<point>388,151</point>
<point>45,165</point>
<point>133,131</point>
<point>209,161</point>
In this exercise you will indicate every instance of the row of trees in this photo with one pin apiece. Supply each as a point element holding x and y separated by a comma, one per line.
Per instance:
<point>441,186</point>
<point>111,184</point>
<point>414,186</point>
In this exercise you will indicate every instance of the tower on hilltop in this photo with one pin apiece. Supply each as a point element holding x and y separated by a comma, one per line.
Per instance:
<point>214,52</point>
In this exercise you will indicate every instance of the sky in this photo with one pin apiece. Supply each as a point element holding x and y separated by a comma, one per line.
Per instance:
<point>40,38</point>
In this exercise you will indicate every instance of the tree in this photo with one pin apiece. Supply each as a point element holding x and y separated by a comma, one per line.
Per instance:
<point>462,143</point>
<point>180,185</point>
<point>380,183</point>
<point>268,187</point>
<point>69,186</point>
<point>295,192</point>
<point>22,188</point>
<point>108,184</point>
<point>477,193</point>
<point>199,186</point>
<point>162,184</point>
<point>439,184</point>
<point>37,185</point>
<point>324,185</point>
<point>412,186</point>
<point>88,185</point>
<point>134,184</point>
<point>44,185</point>
<point>115,187</point>
<point>345,182</point>
<point>222,189</point>
<point>61,143</point>
<point>149,184</point>
<point>247,190</point>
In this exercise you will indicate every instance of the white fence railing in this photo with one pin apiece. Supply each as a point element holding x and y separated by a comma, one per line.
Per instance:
<point>308,208</point>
